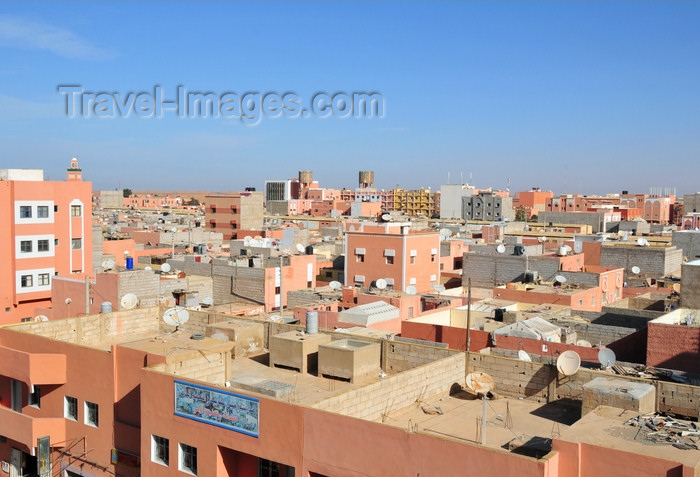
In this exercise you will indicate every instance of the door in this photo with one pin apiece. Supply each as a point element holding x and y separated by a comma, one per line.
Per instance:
<point>16,462</point>
<point>16,395</point>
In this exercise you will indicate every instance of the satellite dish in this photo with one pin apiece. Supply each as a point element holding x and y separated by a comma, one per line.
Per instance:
<point>68,301</point>
<point>501,248</point>
<point>636,270</point>
<point>129,301</point>
<point>523,356</point>
<point>560,278</point>
<point>173,230</point>
<point>147,268</point>
<point>445,234</point>
<point>578,247</point>
<point>300,247</point>
<point>381,283</point>
<point>584,344</point>
<point>275,318</point>
<point>542,239</point>
<point>165,267</point>
<point>335,285</point>
<point>246,240</point>
<point>126,252</point>
<point>208,301</point>
<point>606,356</point>
<point>176,316</point>
<point>568,363</point>
<point>41,318</point>
<point>386,217</point>
<point>108,264</point>
<point>640,242</point>
<point>567,248</point>
<point>480,383</point>
<point>253,243</point>
<point>677,287</point>
<point>411,290</point>
<point>439,288</point>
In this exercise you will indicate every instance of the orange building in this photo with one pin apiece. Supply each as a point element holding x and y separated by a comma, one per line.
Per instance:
<point>392,251</point>
<point>231,212</point>
<point>533,201</point>
<point>46,231</point>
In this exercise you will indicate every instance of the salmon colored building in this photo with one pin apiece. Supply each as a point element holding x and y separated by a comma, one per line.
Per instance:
<point>227,213</point>
<point>46,230</point>
<point>394,252</point>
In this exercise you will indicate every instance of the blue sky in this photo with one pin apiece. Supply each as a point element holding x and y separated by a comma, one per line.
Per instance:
<point>573,97</point>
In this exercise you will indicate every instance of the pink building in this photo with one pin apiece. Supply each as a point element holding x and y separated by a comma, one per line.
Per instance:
<point>392,251</point>
<point>47,231</point>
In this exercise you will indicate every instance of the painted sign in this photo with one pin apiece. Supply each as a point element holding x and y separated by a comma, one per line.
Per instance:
<point>125,458</point>
<point>217,407</point>
<point>43,458</point>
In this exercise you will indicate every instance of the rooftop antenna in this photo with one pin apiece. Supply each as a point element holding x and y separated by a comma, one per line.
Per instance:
<point>129,301</point>
<point>606,357</point>
<point>560,278</point>
<point>445,233</point>
<point>481,383</point>
<point>508,186</point>
<point>568,363</point>
<point>636,270</point>
<point>335,285</point>
<point>501,248</point>
<point>524,356</point>
<point>176,316</point>
<point>381,283</point>
<point>300,247</point>
<point>165,267</point>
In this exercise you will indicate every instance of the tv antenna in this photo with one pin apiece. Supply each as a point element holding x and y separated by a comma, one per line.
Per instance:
<point>568,363</point>
<point>381,284</point>
<point>129,301</point>
<point>606,357</point>
<point>176,316</point>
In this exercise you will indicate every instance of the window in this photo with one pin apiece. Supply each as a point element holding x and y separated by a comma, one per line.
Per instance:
<point>75,211</point>
<point>268,468</point>
<point>25,246</point>
<point>42,211</point>
<point>27,281</point>
<point>188,459</point>
<point>42,246</point>
<point>76,244</point>
<point>390,260</point>
<point>35,397</point>
<point>70,408</point>
<point>160,450</point>
<point>44,279</point>
<point>278,290</point>
<point>432,257</point>
<point>55,209</point>
<point>359,258</point>
<point>25,211</point>
<point>55,242</point>
<point>91,414</point>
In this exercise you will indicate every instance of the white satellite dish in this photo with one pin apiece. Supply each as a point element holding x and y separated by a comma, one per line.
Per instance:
<point>445,234</point>
<point>165,267</point>
<point>501,248</point>
<point>560,278</point>
<point>147,268</point>
<point>275,318</point>
<point>567,248</point>
<point>173,230</point>
<point>108,264</point>
<point>439,288</point>
<point>209,301</point>
<point>642,242</point>
<point>386,217</point>
<point>568,363</point>
<point>176,316</point>
<point>68,301</point>
<point>129,301</point>
<point>41,318</point>
<point>335,285</point>
<point>246,240</point>
<point>636,270</point>
<point>606,357</point>
<point>411,290</point>
<point>480,383</point>
<point>381,283</point>
<point>584,344</point>
<point>254,243</point>
<point>523,356</point>
<point>300,247</point>
<point>542,239</point>
<point>578,247</point>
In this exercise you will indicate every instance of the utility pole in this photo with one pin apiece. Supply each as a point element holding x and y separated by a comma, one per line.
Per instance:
<point>469,313</point>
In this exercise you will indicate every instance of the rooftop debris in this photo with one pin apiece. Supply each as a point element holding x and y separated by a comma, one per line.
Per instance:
<point>660,429</point>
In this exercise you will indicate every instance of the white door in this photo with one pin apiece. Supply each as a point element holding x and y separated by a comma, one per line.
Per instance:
<point>16,395</point>
<point>16,463</point>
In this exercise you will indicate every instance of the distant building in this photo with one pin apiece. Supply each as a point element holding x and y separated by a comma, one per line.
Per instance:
<point>451,199</point>
<point>229,213</point>
<point>46,231</point>
<point>487,206</point>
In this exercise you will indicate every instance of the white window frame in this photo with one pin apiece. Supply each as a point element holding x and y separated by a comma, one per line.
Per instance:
<point>72,243</point>
<point>88,414</point>
<point>66,408</point>
<point>155,446</point>
<point>34,204</point>
<point>182,451</point>
<point>34,239</point>
<point>74,208</point>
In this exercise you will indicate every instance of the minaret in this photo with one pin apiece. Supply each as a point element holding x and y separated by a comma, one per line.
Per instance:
<point>75,173</point>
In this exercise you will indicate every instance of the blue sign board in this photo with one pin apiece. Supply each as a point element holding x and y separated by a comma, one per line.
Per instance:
<point>217,407</point>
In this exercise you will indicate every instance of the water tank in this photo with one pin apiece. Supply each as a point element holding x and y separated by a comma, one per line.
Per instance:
<point>530,276</point>
<point>309,250</point>
<point>312,322</point>
<point>562,251</point>
<point>129,263</point>
<point>366,179</point>
<point>106,307</point>
<point>306,177</point>
<point>519,250</point>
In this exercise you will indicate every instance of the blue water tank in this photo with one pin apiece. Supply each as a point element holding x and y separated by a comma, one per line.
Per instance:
<point>129,263</point>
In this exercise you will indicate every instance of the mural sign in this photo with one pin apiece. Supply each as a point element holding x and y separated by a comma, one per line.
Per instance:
<point>217,407</point>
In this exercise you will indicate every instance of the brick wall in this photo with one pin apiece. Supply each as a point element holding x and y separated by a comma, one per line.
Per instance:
<point>373,402</point>
<point>678,398</point>
<point>653,261</point>
<point>673,347</point>
<point>398,357</point>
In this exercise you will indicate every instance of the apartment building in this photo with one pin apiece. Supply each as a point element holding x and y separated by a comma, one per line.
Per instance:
<point>487,206</point>
<point>394,252</point>
<point>227,213</point>
<point>45,230</point>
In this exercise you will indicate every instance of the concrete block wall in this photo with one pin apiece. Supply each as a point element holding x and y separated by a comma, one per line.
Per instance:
<point>210,367</point>
<point>197,323</point>
<point>581,278</point>
<point>689,242</point>
<point>653,261</point>
<point>595,334</point>
<point>398,357</point>
<point>375,401</point>
<point>484,270</point>
<point>677,398</point>
<point>249,283</point>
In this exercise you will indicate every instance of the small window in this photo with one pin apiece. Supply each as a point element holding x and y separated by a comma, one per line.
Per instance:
<point>35,397</point>
<point>25,211</point>
<point>277,290</point>
<point>24,320</point>
<point>27,281</point>
<point>76,244</point>
<point>359,258</point>
<point>75,211</point>
<point>70,408</point>
<point>44,279</point>
<point>309,284</point>
<point>432,257</point>
<point>55,242</point>
<point>42,245</point>
<point>91,414</point>
<point>413,260</point>
<point>42,211</point>
<point>55,209</point>
<point>160,450</point>
<point>188,459</point>
<point>390,260</point>
<point>25,246</point>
